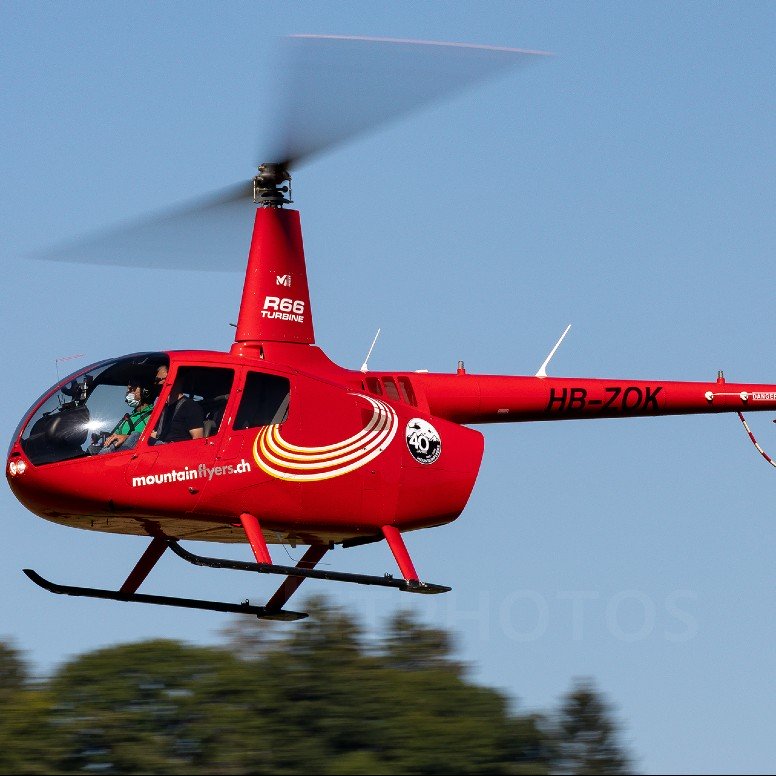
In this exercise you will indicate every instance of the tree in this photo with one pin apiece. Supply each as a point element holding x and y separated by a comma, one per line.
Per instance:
<point>340,705</point>
<point>588,735</point>
<point>13,671</point>
<point>316,697</point>
<point>410,645</point>
<point>123,709</point>
<point>28,740</point>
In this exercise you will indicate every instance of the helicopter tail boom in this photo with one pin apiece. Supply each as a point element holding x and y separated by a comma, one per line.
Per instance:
<point>472,399</point>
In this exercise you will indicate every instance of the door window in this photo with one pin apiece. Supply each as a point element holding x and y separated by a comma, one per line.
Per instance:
<point>264,402</point>
<point>195,406</point>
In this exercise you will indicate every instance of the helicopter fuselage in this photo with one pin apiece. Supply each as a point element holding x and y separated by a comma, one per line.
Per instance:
<point>352,451</point>
<point>342,463</point>
<point>287,446</point>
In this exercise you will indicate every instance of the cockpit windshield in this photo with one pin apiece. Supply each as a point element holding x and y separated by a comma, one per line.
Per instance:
<point>103,408</point>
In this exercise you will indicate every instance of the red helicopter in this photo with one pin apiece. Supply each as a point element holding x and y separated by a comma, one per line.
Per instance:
<point>272,442</point>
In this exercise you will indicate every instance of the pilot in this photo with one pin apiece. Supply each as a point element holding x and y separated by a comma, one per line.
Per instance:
<point>126,433</point>
<point>182,418</point>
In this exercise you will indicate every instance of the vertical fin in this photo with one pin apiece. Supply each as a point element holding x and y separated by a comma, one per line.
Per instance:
<point>275,305</point>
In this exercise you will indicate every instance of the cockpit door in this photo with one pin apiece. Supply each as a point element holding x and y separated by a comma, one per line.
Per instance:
<point>263,398</point>
<point>173,466</point>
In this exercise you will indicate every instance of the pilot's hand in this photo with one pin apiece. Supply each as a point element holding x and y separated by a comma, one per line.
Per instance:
<point>117,440</point>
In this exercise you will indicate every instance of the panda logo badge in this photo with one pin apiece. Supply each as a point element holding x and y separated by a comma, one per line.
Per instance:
<point>423,441</point>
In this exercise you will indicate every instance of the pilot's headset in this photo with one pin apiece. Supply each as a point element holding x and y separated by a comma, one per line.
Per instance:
<point>146,393</point>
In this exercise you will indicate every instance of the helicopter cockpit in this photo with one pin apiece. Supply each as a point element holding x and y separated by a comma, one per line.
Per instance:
<point>79,413</point>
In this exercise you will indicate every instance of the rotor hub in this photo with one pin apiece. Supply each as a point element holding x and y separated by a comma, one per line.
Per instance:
<point>268,186</point>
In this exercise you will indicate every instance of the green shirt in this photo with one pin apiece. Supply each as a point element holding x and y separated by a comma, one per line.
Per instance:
<point>136,422</point>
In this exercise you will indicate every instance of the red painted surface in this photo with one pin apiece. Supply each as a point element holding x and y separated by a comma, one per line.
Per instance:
<point>399,550</point>
<point>353,459</point>
<point>256,538</point>
<point>503,399</point>
<point>275,302</point>
<point>142,569</point>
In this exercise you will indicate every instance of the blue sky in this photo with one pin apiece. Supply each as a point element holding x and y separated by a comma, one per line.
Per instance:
<point>625,186</point>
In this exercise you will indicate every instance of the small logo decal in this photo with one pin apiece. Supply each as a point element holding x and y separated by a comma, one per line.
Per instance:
<point>283,280</point>
<point>423,441</point>
<point>285,309</point>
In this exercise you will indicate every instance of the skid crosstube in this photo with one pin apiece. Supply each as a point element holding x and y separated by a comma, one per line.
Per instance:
<point>186,603</point>
<point>410,586</point>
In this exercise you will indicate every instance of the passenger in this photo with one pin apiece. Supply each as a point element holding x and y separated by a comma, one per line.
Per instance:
<point>131,425</point>
<point>182,418</point>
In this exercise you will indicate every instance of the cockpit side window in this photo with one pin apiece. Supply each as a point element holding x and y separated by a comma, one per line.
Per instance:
<point>264,402</point>
<point>103,408</point>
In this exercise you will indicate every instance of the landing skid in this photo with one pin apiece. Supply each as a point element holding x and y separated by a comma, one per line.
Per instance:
<point>187,603</point>
<point>408,586</point>
<point>273,610</point>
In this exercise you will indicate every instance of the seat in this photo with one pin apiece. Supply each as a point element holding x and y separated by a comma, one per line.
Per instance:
<point>282,411</point>
<point>214,412</point>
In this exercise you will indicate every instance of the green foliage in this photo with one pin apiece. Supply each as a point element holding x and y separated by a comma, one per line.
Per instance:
<point>587,735</point>
<point>123,709</point>
<point>26,719</point>
<point>409,645</point>
<point>13,671</point>
<point>317,697</point>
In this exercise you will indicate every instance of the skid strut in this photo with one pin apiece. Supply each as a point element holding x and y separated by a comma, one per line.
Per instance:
<point>291,584</point>
<point>143,567</point>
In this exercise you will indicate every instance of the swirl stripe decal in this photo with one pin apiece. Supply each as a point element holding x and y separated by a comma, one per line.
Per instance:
<point>285,461</point>
<point>272,439</point>
<point>376,418</point>
<point>276,445</point>
<point>315,462</point>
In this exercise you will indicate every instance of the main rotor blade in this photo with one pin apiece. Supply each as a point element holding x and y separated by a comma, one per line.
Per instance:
<point>333,88</point>
<point>208,233</point>
<point>337,87</point>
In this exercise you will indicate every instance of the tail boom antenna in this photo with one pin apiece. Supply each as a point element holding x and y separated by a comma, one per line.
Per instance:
<point>543,368</point>
<point>58,361</point>
<point>364,366</point>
